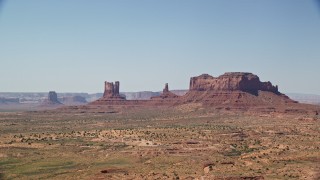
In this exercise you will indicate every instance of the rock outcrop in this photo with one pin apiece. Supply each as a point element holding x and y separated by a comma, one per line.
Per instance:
<point>246,82</point>
<point>111,91</point>
<point>111,95</point>
<point>166,94</point>
<point>53,98</point>
<point>51,101</point>
<point>166,88</point>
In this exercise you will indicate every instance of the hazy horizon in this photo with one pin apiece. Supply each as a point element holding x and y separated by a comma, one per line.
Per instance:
<point>101,92</point>
<point>74,46</point>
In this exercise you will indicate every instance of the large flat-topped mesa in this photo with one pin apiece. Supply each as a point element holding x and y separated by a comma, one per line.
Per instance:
<point>231,81</point>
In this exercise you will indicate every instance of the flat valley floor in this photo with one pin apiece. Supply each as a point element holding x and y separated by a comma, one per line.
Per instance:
<point>158,143</point>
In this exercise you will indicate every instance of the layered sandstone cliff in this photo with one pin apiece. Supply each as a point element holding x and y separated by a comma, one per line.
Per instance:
<point>246,82</point>
<point>235,89</point>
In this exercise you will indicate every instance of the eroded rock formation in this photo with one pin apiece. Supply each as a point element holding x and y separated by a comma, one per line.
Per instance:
<point>111,91</point>
<point>166,88</point>
<point>53,98</point>
<point>246,82</point>
<point>166,94</point>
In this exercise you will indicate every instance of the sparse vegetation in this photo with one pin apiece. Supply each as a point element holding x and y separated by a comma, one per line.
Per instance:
<point>156,143</point>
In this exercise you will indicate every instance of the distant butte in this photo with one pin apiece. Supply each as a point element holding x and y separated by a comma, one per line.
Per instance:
<point>166,94</point>
<point>111,91</point>
<point>52,100</point>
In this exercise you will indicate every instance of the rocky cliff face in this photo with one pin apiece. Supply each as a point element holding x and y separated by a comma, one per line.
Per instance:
<point>235,90</point>
<point>234,81</point>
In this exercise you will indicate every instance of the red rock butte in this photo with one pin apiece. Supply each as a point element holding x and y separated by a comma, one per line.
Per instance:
<point>111,91</point>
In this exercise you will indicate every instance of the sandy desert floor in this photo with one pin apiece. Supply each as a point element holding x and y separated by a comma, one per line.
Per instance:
<point>158,143</point>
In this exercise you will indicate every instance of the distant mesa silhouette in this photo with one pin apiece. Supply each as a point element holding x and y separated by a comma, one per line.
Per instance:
<point>52,99</point>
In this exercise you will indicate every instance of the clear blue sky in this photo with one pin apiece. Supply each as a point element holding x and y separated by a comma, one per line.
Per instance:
<point>75,45</point>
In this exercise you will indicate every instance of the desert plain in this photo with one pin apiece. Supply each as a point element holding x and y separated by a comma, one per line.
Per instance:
<point>181,142</point>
